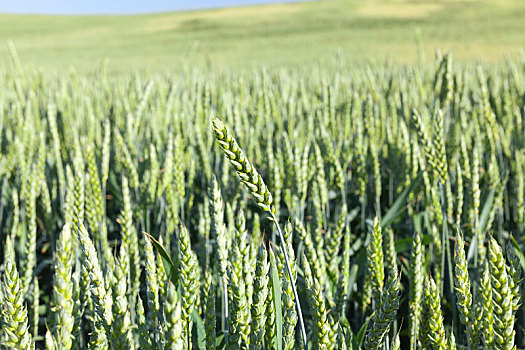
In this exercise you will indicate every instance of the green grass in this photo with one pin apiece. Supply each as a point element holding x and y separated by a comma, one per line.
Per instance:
<point>273,35</point>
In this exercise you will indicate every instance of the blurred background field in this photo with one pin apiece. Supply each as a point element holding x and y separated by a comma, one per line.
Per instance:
<point>289,34</point>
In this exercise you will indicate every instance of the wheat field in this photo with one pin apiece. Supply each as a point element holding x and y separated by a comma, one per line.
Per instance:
<point>337,206</point>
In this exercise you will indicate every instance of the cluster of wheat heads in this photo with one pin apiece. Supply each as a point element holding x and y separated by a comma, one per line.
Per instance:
<point>395,198</point>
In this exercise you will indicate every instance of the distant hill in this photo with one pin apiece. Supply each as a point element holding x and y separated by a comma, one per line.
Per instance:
<point>277,34</point>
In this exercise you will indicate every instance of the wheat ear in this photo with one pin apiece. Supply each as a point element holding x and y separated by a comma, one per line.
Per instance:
<point>251,178</point>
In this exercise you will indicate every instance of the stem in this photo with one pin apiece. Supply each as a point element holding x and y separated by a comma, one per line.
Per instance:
<point>188,332</point>
<point>446,255</point>
<point>296,296</point>
<point>225,320</point>
<point>363,214</point>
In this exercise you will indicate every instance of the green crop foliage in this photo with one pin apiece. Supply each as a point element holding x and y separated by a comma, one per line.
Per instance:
<point>144,210</point>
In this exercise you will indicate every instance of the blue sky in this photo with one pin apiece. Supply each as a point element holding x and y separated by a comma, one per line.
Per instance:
<point>117,6</point>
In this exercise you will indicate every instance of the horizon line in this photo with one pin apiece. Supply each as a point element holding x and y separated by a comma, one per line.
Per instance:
<point>183,9</point>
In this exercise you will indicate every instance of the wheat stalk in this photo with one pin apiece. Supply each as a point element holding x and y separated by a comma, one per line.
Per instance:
<point>251,178</point>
